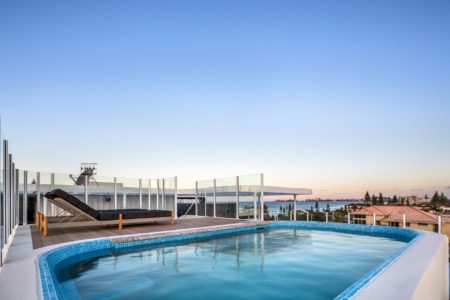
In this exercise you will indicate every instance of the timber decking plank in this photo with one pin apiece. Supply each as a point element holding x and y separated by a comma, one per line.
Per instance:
<point>71,234</point>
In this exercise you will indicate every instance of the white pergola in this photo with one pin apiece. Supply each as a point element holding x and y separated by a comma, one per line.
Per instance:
<point>237,191</point>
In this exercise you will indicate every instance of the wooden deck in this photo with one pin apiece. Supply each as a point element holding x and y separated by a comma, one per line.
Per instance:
<point>64,235</point>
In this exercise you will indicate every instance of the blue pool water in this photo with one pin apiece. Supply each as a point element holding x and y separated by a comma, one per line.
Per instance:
<point>283,263</point>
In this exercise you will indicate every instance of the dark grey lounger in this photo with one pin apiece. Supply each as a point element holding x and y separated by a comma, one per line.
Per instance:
<point>82,214</point>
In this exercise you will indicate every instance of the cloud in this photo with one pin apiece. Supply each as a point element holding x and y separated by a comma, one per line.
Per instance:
<point>417,190</point>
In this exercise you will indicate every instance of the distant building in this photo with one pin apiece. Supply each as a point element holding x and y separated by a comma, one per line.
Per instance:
<point>389,215</point>
<point>412,200</point>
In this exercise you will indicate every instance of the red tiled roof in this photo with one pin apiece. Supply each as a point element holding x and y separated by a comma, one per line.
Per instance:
<point>395,213</point>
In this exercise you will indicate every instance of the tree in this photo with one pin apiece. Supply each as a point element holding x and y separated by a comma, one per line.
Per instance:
<point>426,197</point>
<point>374,200</point>
<point>317,205</point>
<point>367,198</point>
<point>328,207</point>
<point>407,202</point>
<point>395,199</point>
<point>435,200</point>
<point>381,199</point>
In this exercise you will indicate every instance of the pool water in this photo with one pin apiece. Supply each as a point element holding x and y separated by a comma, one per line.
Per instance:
<point>267,264</point>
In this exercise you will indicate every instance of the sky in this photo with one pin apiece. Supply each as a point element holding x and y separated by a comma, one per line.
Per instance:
<point>337,96</point>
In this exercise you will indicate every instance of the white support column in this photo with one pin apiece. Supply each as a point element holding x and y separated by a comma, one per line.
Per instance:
<point>196,198</point>
<point>163,198</point>
<point>206,211</point>
<point>176,198</point>
<point>439,224</point>
<point>326,217</point>
<point>261,200</point>
<point>25,198</point>
<point>86,182</point>
<point>157,194</point>
<point>52,187</point>
<point>348,217</point>
<point>307,216</point>
<point>140,193</point>
<point>115,192</point>
<point>237,197</point>
<point>149,194</point>
<point>215,199</point>
<point>124,200</point>
<point>404,221</point>
<point>295,207</point>
<point>374,219</point>
<point>255,209</point>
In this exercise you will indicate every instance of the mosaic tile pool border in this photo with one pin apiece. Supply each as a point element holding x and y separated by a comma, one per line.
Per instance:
<point>48,261</point>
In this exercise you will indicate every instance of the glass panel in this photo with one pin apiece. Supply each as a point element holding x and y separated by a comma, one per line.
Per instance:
<point>31,197</point>
<point>145,184</point>
<point>127,193</point>
<point>249,196</point>
<point>169,193</point>
<point>206,198</point>
<point>46,186</point>
<point>101,192</point>
<point>20,197</point>
<point>226,197</point>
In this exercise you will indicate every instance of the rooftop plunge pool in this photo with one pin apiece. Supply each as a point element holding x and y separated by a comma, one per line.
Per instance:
<point>283,260</point>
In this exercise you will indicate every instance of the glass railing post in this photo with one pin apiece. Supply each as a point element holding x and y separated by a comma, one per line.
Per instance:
<point>25,197</point>
<point>176,197</point>
<point>237,197</point>
<point>196,198</point>
<point>214,195</point>
<point>115,192</point>
<point>262,198</point>
<point>140,193</point>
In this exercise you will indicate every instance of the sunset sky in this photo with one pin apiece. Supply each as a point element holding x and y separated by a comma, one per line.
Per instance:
<point>337,96</point>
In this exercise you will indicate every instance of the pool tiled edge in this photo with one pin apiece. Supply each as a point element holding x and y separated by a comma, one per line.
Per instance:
<point>47,261</point>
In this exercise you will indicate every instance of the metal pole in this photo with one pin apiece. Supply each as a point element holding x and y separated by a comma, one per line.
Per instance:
<point>255,210</point>
<point>140,193</point>
<point>163,198</point>
<point>215,199</point>
<point>205,204</point>
<point>404,221</point>
<point>25,197</point>
<point>149,194</point>
<point>38,193</point>
<point>295,207</point>
<point>86,189</point>
<point>262,198</point>
<point>176,198</point>
<point>52,187</point>
<point>115,192</point>
<point>157,194</point>
<point>237,197</point>
<point>196,198</point>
